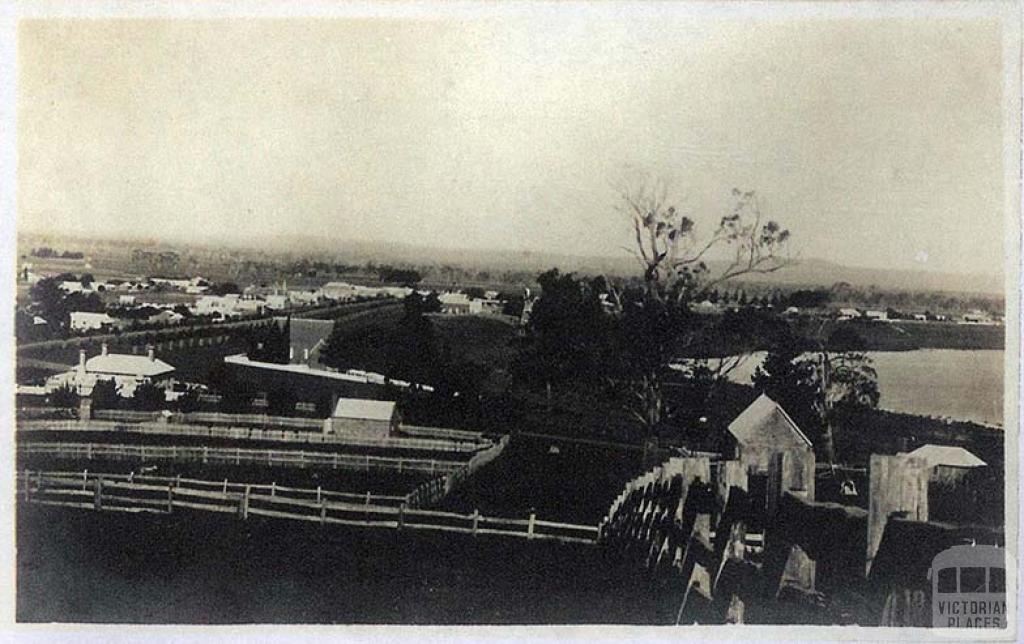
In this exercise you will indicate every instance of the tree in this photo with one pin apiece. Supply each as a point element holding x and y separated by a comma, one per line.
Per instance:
<point>565,334</point>
<point>148,397</point>
<point>64,396</point>
<point>224,288</point>
<point>674,260</point>
<point>817,388</point>
<point>474,292</point>
<point>104,395</point>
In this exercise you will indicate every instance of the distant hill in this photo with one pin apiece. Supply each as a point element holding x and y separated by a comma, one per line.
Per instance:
<point>804,273</point>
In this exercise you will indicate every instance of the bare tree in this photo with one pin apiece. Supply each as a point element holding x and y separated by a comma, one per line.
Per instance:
<point>675,260</point>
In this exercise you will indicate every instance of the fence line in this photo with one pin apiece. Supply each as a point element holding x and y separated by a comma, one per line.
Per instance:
<point>248,433</point>
<point>432,491</point>
<point>113,492</point>
<point>238,456</point>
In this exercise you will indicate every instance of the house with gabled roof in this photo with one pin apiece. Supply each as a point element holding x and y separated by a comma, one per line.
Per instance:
<point>764,429</point>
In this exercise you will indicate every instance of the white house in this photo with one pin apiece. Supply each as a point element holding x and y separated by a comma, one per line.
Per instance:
<point>792,310</point>
<point>276,301</point>
<point>126,300</point>
<point>304,297</point>
<point>459,304</point>
<point>920,317</point>
<point>226,305</point>
<point>127,371</point>
<point>881,316</point>
<point>339,290</point>
<point>848,314</point>
<point>73,287</point>
<point>87,321</point>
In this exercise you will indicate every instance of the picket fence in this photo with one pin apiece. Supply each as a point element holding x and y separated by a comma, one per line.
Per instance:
<point>109,492</point>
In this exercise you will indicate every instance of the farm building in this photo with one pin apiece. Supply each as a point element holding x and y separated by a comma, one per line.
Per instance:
<point>848,314</point>
<point>948,463</point>
<point>764,429</point>
<point>369,418</point>
<point>881,316</point>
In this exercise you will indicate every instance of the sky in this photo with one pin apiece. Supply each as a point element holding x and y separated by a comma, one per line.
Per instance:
<point>878,143</point>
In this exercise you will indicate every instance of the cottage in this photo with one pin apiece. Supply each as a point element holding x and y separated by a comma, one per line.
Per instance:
<point>881,316</point>
<point>764,429</point>
<point>88,321</point>
<point>127,371</point>
<point>368,418</point>
<point>920,317</point>
<point>276,302</point>
<point>459,304</point>
<point>848,314</point>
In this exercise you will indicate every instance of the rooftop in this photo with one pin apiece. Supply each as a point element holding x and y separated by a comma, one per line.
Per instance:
<point>764,418</point>
<point>361,409</point>
<point>123,364</point>
<point>947,455</point>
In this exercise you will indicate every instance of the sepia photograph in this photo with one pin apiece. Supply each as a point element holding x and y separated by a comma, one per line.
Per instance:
<point>675,314</point>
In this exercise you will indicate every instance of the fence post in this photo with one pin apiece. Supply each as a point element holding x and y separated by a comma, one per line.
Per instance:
<point>85,478</point>
<point>98,494</point>
<point>318,494</point>
<point>243,504</point>
<point>225,486</point>
<point>206,452</point>
<point>476,520</point>
<point>529,527</point>
<point>170,497</point>
<point>131,476</point>
<point>323,511</point>
<point>273,488</point>
<point>401,515</point>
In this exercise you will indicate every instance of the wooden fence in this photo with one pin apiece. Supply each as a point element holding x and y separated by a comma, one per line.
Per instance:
<point>249,433</point>
<point>443,433</point>
<point>153,494</point>
<point>430,492</point>
<point>239,456</point>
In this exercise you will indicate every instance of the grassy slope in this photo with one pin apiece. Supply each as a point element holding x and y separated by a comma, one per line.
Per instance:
<point>198,568</point>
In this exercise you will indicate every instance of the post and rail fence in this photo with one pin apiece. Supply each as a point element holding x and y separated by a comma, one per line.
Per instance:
<point>143,493</point>
<point>119,423</point>
<point>239,456</point>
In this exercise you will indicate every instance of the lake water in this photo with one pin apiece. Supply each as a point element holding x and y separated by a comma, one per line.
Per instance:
<point>965,385</point>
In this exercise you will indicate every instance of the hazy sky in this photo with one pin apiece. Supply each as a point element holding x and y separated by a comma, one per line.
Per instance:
<point>877,142</point>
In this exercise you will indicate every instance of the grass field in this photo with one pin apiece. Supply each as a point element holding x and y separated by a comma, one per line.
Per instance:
<point>82,566</point>
<point>577,484</point>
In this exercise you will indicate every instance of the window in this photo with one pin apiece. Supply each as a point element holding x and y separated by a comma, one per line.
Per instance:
<point>947,580</point>
<point>997,580</point>
<point>972,580</point>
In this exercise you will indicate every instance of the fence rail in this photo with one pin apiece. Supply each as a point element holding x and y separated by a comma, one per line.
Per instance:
<point>238,456</point>
<point>160,494</point>
<point>248,433</point>
<point>431,492</point>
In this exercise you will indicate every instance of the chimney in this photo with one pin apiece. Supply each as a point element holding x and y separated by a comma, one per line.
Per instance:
<point>305,355</point>
<point>291,354</point>
<point>149,352</point>
<point>81,366</point>
<point>103,349</point>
